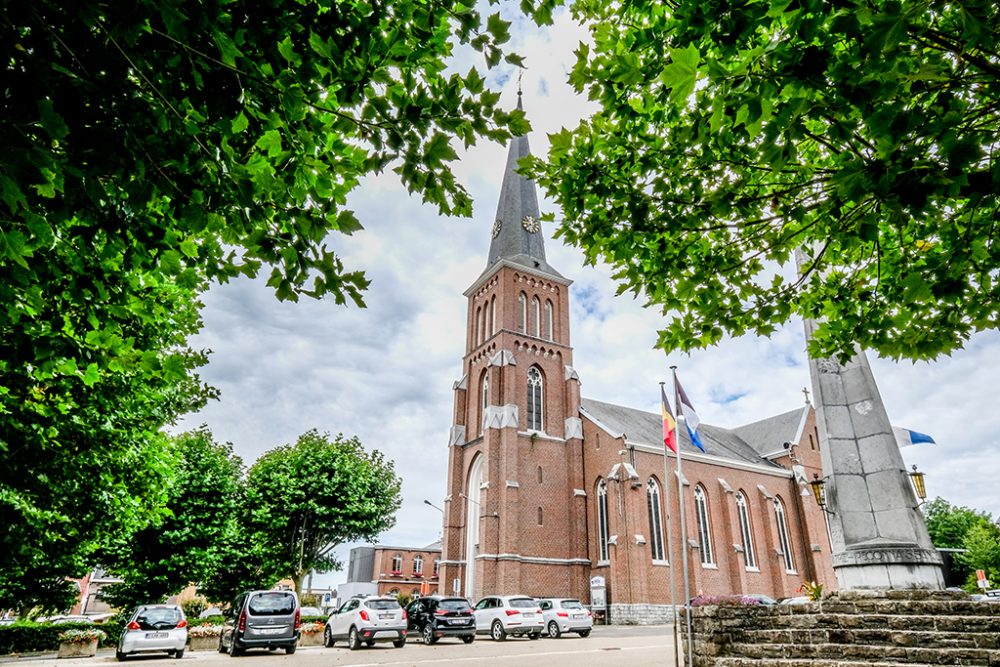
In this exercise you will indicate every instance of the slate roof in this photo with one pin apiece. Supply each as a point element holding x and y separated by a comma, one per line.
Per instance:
<point>518,199</point>
<point>646,428</point>
<point>768,435</point>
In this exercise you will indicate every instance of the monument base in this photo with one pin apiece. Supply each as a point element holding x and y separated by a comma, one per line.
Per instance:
<point>898,576</point>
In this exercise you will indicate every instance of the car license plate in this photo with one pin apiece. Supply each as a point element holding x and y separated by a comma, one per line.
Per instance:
<point>529,615</point>
<point>271,631</point>
<point>460,621</point>
<point>156,635</point>
<point>384,616</point>
<point>578,615</point>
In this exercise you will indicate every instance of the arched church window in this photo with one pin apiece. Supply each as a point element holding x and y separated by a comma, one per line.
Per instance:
<point>704,532</point>
<point>536,316</point>
<point>534,399</point>
<point>539,516</point>
<point>602,521</point>
<point>547,321</point>
<point>493,316</point>
<point>479,326</point>
<point>786,545</point>
<point>486,402</point>
<point>539,474</point>
<point>746,531</point>
<point>655,520</point>
<point>522,312</point>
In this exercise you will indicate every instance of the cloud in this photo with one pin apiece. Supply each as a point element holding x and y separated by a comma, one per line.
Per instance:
<point>385,373</point>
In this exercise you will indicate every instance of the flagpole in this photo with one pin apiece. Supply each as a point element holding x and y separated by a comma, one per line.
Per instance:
<point>671,562</point>
<point>689,649</point>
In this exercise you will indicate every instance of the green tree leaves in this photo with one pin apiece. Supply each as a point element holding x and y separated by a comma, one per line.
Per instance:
<point>730,137</point>
<point>975,533</point>
<point>308,498</point>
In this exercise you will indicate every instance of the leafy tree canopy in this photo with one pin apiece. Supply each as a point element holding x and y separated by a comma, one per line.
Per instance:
<point>186,544</point>
<point>308,498</point>
<point>150,147</point>
<point>972,531</point>
<point>731,135</point>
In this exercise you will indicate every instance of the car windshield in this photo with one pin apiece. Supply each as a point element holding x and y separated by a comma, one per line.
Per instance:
<point>456,605</point>
<point>157,618</point>
<point>272,604</point>
<point>571,604</point>
<point>382,604</point>
<point>523,603</point>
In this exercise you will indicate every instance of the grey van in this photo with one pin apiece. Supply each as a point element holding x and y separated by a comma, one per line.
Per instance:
<point>261,619</point>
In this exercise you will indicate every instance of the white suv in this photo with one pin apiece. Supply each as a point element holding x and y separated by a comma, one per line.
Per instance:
<point>566,615</point>
<point>502,615</point>
<point>367,620</point>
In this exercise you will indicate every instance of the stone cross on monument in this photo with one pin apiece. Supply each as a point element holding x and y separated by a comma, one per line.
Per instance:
<point>878,535</point>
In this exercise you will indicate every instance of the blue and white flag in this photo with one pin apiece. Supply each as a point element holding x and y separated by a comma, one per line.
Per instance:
<point>905,437</point>
<point>691,420</point>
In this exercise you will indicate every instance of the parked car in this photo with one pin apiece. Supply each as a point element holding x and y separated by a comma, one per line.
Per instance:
<point>153,628</point>
<point>798,599</point>
<point>502,615</point>
<point>211,611</point>
<point>566,615</point>
<point>261,619</point>
<point>367,620</point>
<point>312,611</point>
<point>434,617</point>
<point>760,598</point>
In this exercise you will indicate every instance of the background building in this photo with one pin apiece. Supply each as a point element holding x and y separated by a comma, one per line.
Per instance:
<point>392,570</point>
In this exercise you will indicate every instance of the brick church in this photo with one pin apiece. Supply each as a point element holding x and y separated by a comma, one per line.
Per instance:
<point>548,490</point>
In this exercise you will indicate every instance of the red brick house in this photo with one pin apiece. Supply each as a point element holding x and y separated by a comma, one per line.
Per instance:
<point>547,490</point>
<point>396,570</point>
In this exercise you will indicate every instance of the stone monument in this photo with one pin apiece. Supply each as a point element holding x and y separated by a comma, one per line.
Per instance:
<point>878,535</point>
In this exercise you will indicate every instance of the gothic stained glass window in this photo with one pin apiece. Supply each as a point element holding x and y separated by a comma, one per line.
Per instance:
<point>746,532</point>
<point>786,545</point>
<point>704,531</point>
<point>655,520</point>
<point>602,521</point>
<point>534,399</point>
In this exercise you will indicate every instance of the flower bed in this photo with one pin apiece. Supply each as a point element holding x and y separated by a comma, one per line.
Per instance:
<point>311,634</point>
<point>80,643</point>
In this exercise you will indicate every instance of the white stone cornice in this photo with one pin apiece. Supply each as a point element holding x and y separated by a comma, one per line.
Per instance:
<point>457,435</point>
<point>500,416</point>
<point>579,492</point>
<point>764,492</point>
<point>503,358</point>
<point>570,373</point>
<point>511,484</point>
<point>573,428</point>
<point>461,384</point>
<point>725,485</point>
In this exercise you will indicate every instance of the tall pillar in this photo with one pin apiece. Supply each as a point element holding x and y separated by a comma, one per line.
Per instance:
<point>878,536</point>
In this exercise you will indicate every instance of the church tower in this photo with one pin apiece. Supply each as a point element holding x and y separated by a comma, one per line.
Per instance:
<point>515,513</point>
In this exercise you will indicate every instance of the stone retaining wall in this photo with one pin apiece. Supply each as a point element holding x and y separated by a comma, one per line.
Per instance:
<point>641,614</point>
<point>851,627</point>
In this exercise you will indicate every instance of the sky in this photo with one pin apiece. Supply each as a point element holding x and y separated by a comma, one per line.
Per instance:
<point>385,373</point>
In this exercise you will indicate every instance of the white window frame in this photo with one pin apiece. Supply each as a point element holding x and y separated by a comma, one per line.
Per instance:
<point>418,565</point>
<point>704,526</point>
<point>536,395</point>
<point>655,510</point>
<point>603,553</point>
<point>746,531</point>
<point>783,538</point>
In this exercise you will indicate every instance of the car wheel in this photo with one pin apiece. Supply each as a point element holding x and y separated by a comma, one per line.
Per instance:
<point>222,647</point>
<point>369,644</point>
<point>234,649</point>
<point>272,648</point>
<point>534,635</point>
<point>399,643</point>
<point>119,656</point>
<point>328,640</point>
<point>179,654</point>
<point>468,638</point>
<point>497,631</point>
<point>427,634</point>
<point>584,633</point>
<point>290,649</point>
<point>554,631</point>
<point>353,641</point>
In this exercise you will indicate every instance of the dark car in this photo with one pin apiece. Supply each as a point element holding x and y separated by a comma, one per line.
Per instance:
<point>436,616</point>
<point>261,619</point>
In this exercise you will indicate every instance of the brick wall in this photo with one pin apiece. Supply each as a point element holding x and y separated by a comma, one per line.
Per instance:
<point>851,627</point>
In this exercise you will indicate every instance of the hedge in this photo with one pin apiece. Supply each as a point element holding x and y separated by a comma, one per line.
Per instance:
<point>29,637</point>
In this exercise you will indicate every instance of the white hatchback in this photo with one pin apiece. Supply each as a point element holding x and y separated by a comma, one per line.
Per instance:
<point>153,628</point>
<point>566,615</point>
<point>502,615</point>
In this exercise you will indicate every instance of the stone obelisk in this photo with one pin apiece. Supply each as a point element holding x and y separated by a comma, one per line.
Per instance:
<point>878,535</point>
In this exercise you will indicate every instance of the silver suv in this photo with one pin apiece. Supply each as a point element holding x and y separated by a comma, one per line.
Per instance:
<point>261,619</point>
<point>367,620</point>
<point>502,615</point>
<point>566,615</point>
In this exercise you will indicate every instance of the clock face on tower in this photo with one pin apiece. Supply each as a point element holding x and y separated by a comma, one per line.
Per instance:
<point>496,228</point>
<point>530,224</point>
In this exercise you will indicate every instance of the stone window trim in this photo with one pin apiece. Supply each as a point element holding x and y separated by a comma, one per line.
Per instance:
<point>536,396</point>
<point>603,533</point>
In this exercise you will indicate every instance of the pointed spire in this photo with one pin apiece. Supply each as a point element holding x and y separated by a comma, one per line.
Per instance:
<point>517,231</point>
